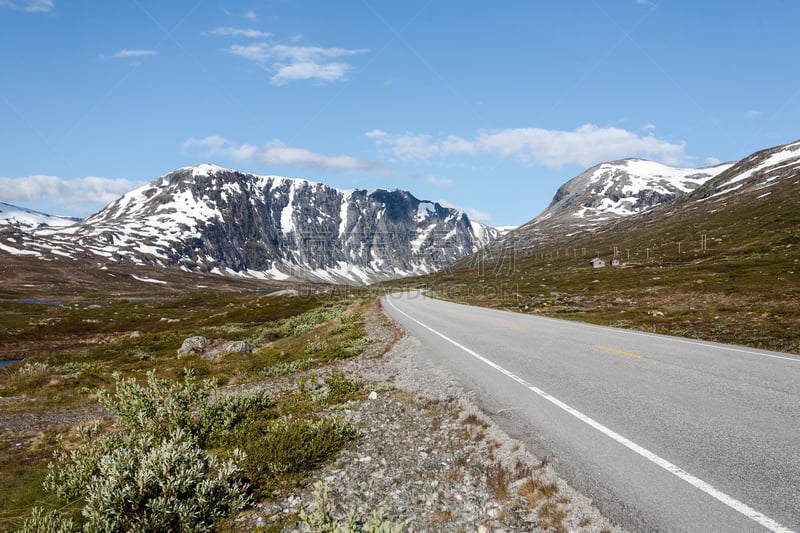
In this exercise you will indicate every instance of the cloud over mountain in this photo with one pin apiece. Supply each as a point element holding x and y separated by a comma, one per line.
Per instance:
<point>584,146</point>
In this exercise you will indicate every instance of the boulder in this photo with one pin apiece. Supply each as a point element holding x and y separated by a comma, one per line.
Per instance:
<point>192,345</point>
<point>219,350</point>
<point>238,347</point>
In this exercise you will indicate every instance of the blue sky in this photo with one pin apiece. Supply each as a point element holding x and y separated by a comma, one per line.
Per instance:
<point>489,106</point>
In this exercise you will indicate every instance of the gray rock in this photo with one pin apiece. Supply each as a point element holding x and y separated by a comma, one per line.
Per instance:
<point>192,345</point>
<point>137,333</point>
<point>238,347</point>
<point>214,353</point>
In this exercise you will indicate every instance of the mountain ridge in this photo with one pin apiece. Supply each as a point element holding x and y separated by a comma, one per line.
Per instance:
<point>207,218</point>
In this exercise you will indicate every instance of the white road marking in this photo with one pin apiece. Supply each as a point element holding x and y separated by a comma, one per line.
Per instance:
<point>696,482</point>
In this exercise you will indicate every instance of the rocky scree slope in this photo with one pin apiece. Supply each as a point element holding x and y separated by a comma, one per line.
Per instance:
<point>211,219</point>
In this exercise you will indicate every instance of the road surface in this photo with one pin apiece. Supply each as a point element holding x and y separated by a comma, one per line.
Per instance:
<point>663,433</point>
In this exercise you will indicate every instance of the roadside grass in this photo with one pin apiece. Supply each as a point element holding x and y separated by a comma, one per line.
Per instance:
<point>82,350</point>
<point>75,356</point>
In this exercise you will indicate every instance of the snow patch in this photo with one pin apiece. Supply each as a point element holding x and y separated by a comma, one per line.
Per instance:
<point>11,214</point>
<point>16,251</point>
<point>148,280</point>
<point>424,210</point>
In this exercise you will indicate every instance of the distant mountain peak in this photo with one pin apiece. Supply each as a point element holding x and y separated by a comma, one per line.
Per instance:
<point>208,218</point>
<point>619,189</point>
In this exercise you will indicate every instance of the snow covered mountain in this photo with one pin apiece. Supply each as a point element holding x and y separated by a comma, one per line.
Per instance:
<point>620,189</point>
<point>11,215</point>
<point>211,219</point>
<point>758,172</point>
<point>622,196</point>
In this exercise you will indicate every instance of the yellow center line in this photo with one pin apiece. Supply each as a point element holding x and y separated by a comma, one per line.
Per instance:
<point>515,326</point>
<point>629,354</point>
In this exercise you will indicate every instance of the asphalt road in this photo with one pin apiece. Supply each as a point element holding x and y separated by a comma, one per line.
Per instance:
<point>663,433</point>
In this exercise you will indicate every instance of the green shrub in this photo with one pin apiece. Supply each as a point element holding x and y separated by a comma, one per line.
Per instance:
<point>342,388</point>
<point>322,520</point>
<point>171,485</point>
<point>292,367</point>
<point>160,407</point>
<point>299,324</point>
<point>152,473</point>
<point>286,447</point>
<point>315,347</point>
<point>42,521</point>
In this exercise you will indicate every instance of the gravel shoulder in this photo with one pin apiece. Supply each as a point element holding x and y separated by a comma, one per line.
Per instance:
<point>430,460</point>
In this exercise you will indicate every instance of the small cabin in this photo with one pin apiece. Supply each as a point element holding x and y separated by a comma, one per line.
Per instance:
<point>597,263</point>
<point>615,262</point>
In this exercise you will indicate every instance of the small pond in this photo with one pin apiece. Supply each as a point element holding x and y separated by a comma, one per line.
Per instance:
<point>57,303</point>
<point>9,362</point>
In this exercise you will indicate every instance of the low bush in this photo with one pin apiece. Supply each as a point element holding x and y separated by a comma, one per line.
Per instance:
<point>152,471</point>
<point>278,452</point>
<point>321,519</point>
<point>341,388</point>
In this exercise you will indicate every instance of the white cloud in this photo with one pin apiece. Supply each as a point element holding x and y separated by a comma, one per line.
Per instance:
<point>216,146</point>
<point>587,145</point>
<point>412,146</point>
<point>80,195</point>
<point>251,15</point>
<point>30,6</point>
<point>127,53</point>
<point>292,63</point>
<point>277,153</point>
<point>258,52</point>
<point>438,181</point>
<point>309,71</point>
<point>713,161</point>
<point>376,134</point>
<point>227,31</point>
<point>31,187</point>
<point>752,114</point>
<point>311,53</point>
<point>100,190</point>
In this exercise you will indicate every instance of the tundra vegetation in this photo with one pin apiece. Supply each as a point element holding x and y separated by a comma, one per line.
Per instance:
<point>167,443</point>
